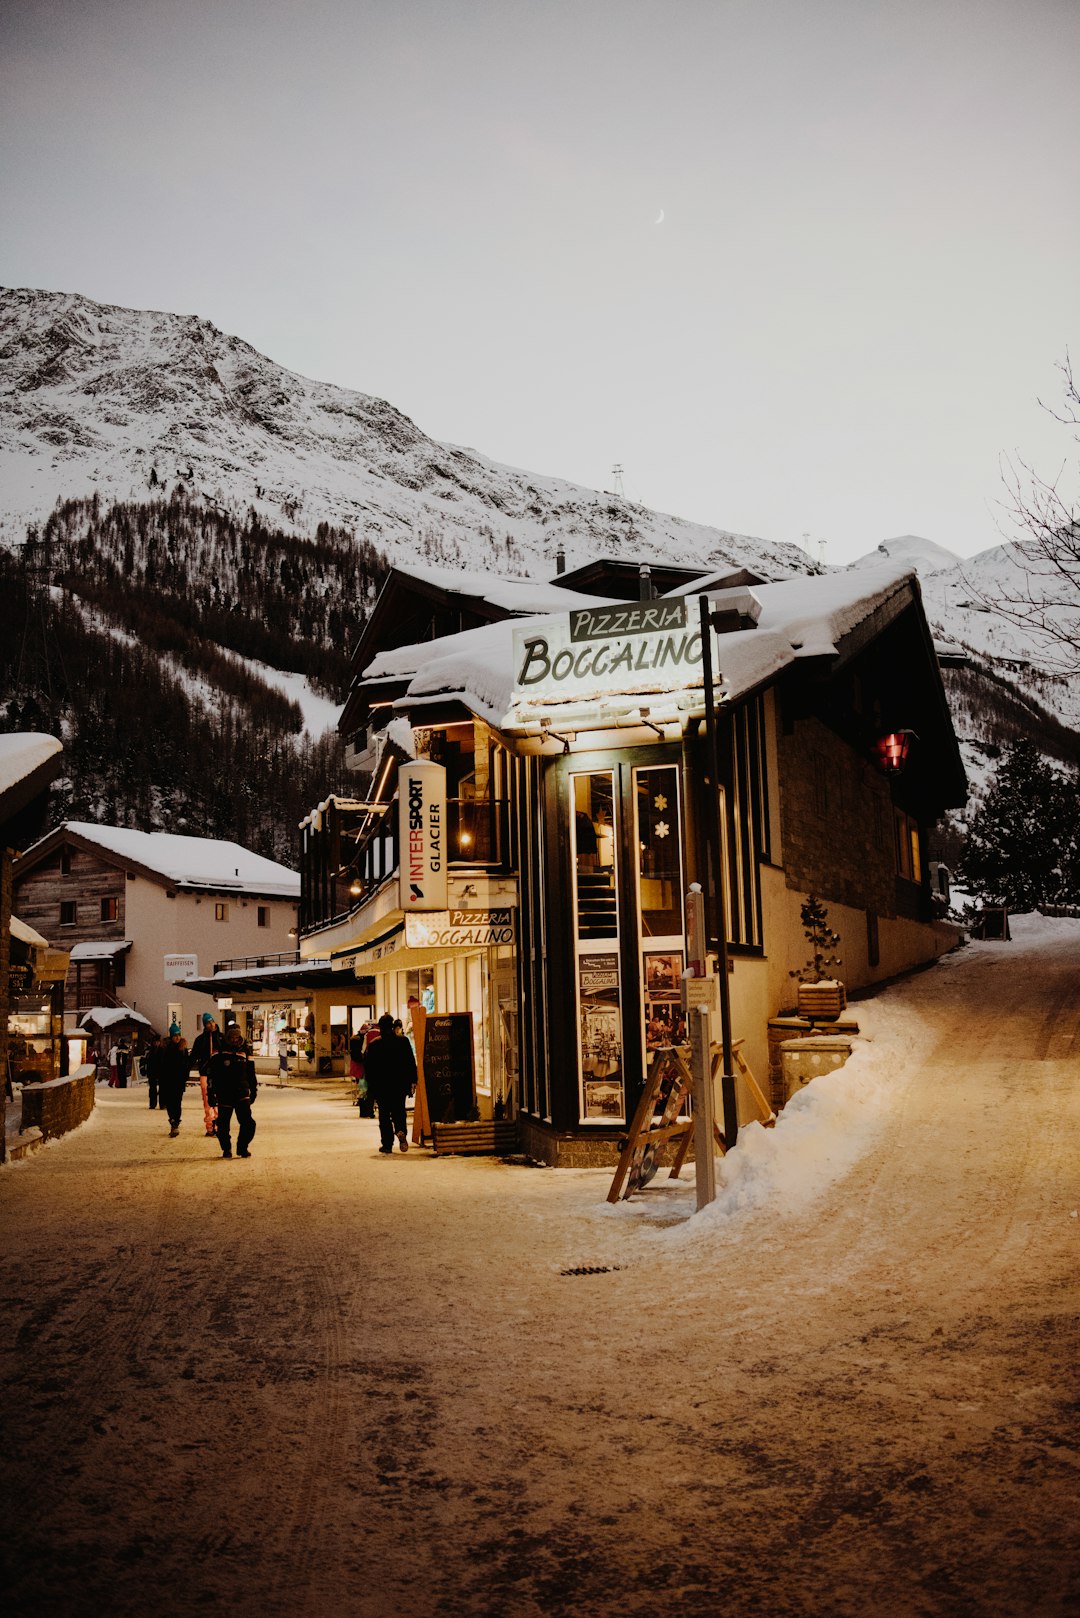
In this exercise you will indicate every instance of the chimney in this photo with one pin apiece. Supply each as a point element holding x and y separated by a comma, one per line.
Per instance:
<point>645,589</point>
<point>560,561</point>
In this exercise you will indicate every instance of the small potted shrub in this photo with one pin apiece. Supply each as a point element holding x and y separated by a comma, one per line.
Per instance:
<point>821,996</point>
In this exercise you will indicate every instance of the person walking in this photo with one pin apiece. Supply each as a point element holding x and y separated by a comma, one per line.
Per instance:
<point>152,1069</point>
<point>175,1063</point>
<point>206,1045</point>
<point>390,1068</point>
<point>232,1086</point>
<point>123,1063</point>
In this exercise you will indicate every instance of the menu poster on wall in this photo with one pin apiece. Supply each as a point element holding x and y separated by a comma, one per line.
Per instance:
<point>601,1037</point>
<point>665,1020</point>
<point>449,1081</point>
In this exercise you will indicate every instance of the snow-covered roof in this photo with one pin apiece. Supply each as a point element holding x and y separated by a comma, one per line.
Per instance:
<point>103,949</point>
<point>107,1016</point>
<point>511,595</point>
<point>27,934</point>
<point>192,862</point>
<point>806,616</point>
<point>22,752</point>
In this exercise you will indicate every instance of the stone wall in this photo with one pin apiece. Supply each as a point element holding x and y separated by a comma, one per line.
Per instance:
<point>60,1104</point>
<point>836,815</point>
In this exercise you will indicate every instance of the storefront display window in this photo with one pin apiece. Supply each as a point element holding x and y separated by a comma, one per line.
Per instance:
<point>596,926</point>
<point>660,905</point>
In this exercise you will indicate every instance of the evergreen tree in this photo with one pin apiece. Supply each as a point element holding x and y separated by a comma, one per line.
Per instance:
<point>1023,845</point>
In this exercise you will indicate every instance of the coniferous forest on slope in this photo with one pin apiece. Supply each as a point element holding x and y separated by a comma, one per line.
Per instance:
<point>120,622</point>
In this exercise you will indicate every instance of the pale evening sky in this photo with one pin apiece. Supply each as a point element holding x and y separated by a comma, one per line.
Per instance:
<point>865,274</point>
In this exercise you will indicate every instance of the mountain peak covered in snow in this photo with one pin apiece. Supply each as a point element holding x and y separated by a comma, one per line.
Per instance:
<point>121,401</point>
<point>924,555</point>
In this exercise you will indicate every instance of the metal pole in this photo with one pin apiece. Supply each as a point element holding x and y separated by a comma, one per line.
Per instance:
<point>727,1077</point>
<point>701,1069</point>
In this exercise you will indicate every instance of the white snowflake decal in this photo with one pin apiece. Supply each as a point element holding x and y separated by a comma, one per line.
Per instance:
<point>662,828</point>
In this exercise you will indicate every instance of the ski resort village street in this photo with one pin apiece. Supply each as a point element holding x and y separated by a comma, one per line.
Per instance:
<point>325,1382</point>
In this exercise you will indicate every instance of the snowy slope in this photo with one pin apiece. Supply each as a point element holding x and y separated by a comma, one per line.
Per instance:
<point>926,556</point>
<point>98,397</point>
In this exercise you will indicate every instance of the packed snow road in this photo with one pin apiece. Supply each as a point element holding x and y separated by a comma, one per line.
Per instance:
<point>323,1382</point>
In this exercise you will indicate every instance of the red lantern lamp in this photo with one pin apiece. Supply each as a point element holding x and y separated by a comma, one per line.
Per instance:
<point>893,750</point>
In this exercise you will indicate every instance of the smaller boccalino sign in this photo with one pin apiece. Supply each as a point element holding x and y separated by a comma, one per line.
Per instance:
<point>422,836</point>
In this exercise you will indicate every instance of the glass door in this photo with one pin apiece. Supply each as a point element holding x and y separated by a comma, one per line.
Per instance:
<point>594,841</point>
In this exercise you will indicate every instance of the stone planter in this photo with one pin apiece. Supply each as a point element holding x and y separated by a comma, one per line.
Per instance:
<point>822,1002</point>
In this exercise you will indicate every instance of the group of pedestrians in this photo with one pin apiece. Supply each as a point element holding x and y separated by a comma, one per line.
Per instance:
<point>382,1062</point>
<point>227,1080</point>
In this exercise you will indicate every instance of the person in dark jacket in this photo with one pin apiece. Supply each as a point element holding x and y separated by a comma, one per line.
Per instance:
<point>175,1061</point>
<point>390,1068</point>
<point>152,1069</point>
<point>206,1044</point>
<point>231,1087</point>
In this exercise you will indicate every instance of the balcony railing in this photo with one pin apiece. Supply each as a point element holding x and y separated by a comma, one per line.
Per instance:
<point>248,963</point>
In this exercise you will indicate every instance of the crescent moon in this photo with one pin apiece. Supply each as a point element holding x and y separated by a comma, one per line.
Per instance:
<point>659,220</point>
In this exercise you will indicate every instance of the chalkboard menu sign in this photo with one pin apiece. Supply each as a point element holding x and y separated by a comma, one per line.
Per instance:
<point>448,1067</point>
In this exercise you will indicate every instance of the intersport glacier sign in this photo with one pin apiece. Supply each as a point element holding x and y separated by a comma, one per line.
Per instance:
<point>601,649</point>
<point>422,836</point>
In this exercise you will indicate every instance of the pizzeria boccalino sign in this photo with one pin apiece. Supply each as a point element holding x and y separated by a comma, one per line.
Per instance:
<point>604,648</point>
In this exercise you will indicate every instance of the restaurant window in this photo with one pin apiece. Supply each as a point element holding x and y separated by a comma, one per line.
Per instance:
<point>68,912</point>
<point>908,846</point>
<point>221,912</point>
<point>475,768</point>
<point>264,915</point>
<point>110,910</point>
<point>594,839</point>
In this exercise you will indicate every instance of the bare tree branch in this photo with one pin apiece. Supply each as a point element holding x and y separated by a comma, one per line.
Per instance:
<point>1041,522</point>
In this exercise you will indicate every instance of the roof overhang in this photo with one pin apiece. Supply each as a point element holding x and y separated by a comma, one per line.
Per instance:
<point>103,949</point>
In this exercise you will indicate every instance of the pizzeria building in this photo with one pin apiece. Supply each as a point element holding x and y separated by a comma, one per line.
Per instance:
<point>545,770</point>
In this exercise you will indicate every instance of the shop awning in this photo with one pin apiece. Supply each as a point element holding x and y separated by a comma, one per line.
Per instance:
<point>301,978</point>
<point>105,949</point>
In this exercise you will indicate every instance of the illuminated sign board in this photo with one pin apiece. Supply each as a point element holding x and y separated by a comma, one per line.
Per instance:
<point>600,649</point>
<point>422,836</point>
<point>460,927</point>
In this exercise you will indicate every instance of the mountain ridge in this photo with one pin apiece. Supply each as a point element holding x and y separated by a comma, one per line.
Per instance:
<point>97,396</point>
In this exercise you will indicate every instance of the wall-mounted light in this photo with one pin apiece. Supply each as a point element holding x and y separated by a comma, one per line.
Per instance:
<point>356,887</point>
<point>893,749</point>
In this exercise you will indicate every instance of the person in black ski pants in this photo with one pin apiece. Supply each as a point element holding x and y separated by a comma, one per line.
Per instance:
<point>390,1069</point>
<point>174,1060</point>
<point>152,1069</point>
<point>232,1086</point>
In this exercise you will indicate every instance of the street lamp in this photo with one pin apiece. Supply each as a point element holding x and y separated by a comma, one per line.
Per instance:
<point>893,749</point>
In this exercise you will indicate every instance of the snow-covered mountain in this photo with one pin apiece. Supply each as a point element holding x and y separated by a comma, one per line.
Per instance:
<point>924,555</point>
<point>123,401</point>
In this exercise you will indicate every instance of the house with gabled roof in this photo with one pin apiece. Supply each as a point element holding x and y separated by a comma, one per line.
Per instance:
<point>140,911</point>
<point>541,787</point>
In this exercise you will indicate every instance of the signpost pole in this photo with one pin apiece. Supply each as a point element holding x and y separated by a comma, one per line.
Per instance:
<point>715,822</point>
<point>701,1068</point>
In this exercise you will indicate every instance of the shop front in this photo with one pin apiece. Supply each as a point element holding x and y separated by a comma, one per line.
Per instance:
<point>297,1017</point>
<point>36,1047</point>
<point>460,964</point>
